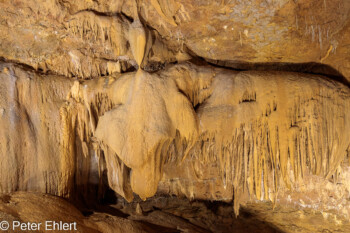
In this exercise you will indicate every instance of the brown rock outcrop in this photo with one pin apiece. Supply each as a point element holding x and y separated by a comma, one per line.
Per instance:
<point>259,31</point>
<point>249,132</point>
<point>43,213</point>
<point>185,98</point>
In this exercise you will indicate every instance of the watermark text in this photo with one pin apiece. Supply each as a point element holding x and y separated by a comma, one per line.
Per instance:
<point>37,226</point>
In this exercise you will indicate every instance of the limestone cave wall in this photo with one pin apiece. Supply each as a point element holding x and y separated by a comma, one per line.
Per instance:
<point>245,103</point>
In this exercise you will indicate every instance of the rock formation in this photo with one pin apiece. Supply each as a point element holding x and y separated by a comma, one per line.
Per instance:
<point>242,104</point>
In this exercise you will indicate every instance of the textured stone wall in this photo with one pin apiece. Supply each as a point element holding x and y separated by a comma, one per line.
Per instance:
<point>234,101</point>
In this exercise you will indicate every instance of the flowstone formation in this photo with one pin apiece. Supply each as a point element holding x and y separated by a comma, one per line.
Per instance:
<point>260,139</point>
<point>191,116</point>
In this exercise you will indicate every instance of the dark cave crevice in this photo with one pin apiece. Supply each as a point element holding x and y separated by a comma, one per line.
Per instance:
<point>312,68</point>
<point>203,215</point>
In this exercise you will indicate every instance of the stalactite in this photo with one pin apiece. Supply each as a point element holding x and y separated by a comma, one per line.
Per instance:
<point>301,133</point>
<point>137,40</point>
<point>259,139</point>
<point>79,149</point>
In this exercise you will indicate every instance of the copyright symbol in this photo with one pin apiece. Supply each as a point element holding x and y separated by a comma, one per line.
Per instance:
<point>4,225</point>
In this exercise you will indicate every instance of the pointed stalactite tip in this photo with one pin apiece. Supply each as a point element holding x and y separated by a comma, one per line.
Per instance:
<point>137,38</point>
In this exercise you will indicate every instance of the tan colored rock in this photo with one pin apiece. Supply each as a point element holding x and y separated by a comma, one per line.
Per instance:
<point>31,130</point>
<point>79,38</point>
<point>141,127</point>
<point>101,6</point>
<point>45,210</point>
<point>260,129</point>
<point>147,109</point>
<point>77,119</point>
<point>45,36</point>
<point>84,39</point>
<point>258,216</point>
<point>256,31</point>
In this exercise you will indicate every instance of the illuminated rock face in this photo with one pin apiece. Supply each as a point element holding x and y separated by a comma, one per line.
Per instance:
<point>262,130</point>
<point>251,133</point>
<point>233,32</point>
<point>87,39</point>
<point>89,100</point>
